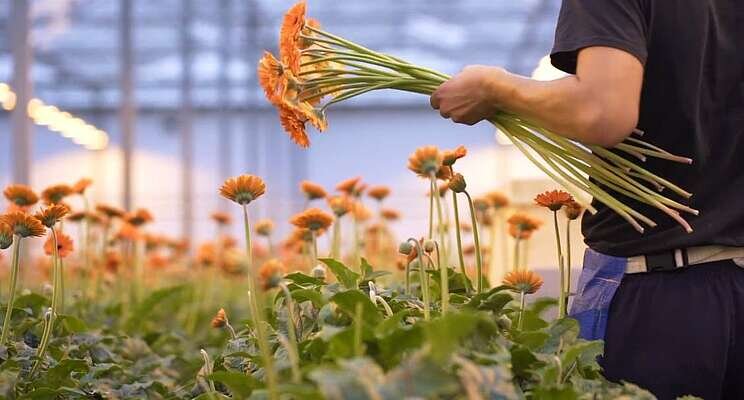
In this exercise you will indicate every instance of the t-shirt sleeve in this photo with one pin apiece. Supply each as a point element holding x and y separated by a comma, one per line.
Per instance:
<point>585,23</point>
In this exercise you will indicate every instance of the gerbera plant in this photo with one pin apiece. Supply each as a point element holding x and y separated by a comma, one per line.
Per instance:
<point>555,200</point>
<point>523,282</point>
<point>317,69</point>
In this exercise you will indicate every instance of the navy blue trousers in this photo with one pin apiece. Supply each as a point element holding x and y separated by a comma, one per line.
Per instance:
<point>680,332</point>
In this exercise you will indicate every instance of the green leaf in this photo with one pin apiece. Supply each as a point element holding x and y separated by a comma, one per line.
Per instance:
<point>302,279</point>
<point>31,301</point>
<point>41,394</point>
<point>563,332</point>
<point>398,343</point>
<point>311,295</point>
<point>347,301</point>
<point>60,374</point>
<point>149,304</point>
<point>365,267</point>
<point>240,385</point>
<point>522,361</point>
<point>444,334</point>
<point>347,277</point>
<point>392,323</point>
<point>554,393</point>
<point>582,352</point>
<point>72,324</point>
<point>533,340</point>
<point>212,396</point>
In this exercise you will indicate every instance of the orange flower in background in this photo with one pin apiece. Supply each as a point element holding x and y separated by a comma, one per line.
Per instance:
<point>312,190</point>
<point>243,189</point>
<point>220,319</point>
<point>264,227</point>
<point>497,200</point>
<point>450,156</point>
<point>22,224</point>
<point>389,214</point>
<point>206,254</point>
<point>360,212</point>
<point>466,227</point>
<point>52,214</point>
<point>349,186</point>
<point>554,199</point>
<point>313,219</point>
<point>521,226</point>
<point>129,232</point>
<point>523,281</point>
<point>64,245</point>
<point>55,194</point>
<point>221,218</point>
<point>340,205</point>
<point>444,173</point>
<point>379,193</point>
<point>112,261</point>
<point>425,161</point>
<point>21,195</point>
<point>573,210</point>
<point>139,217</point>
<point>270,274</point>
<point>6,236</point>
<point>481,204</point>
<point>81,186</point>
<point>157,260</point>
<point>110,211</point>
<point>76,216</point>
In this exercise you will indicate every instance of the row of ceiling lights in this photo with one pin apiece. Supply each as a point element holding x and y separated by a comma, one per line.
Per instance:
<point>56,120</point>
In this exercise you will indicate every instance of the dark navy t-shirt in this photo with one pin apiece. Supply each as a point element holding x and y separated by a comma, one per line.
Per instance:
<point>692,104</point>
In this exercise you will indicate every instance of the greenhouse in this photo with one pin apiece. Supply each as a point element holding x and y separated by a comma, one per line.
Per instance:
<point>471,199</point>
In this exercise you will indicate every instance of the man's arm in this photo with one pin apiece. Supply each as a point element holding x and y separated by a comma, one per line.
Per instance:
<point>599,105</point>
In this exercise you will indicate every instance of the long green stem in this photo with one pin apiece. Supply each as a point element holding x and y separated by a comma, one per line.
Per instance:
<point>441,261</point>
<point>561,267</point>
<point>423,277</point>
<point>14,269</point>
<point>358,325</point>
<point>294,354</point>
<point>314,255</point>
<point>568,261</point>
<point>521,310</point>
<point>476,241</point>
<point>431,210</point>
<point>49,325</point>
<point>458,236</point>
<point>336,240</point>
<point>515,266</point>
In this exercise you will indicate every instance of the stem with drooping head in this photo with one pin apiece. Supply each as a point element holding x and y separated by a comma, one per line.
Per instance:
<point>476,241</point>
<point>423,277</point>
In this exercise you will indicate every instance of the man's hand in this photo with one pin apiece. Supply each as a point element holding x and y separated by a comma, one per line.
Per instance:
<point>470,96</point>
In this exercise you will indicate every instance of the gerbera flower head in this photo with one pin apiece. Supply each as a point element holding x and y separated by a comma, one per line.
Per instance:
<point>573,210</point>
<point>221,218</point>
<point>340,205</point>
<point>312,190</point>
<point>361,212</point>
<point>379,192</point>
<point>289,36</point>
<point>523,281</point>
<point>271,78</point>
<point>294,125</point>
<point>450,156</point>
<point>457,183</point>
<point>300,235</point>
<point>6,236</point>
<point>553,199</point>
<point>243,189</point>
<point>521,226</point>
<point>497,200</point>
<point>313,219</point>
<point>425,161</point>
<point>81,186</point>
<point>52,214</point>
<point>128,232</point>
<point>64,245</point>
<point>56,193</point>
<point>112,261</point>
<point>270,274</point>
<point>76,216</point>
<point>21,195</point>
<point>389,214</point>
<point>349,186</point>
<point>22,224</point>
<point>264,227</point>
<point>220,319</point>
<point>110,211</point>
<point>139,217</point>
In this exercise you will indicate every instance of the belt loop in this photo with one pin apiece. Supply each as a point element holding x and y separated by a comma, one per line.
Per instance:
<point>685,258</point>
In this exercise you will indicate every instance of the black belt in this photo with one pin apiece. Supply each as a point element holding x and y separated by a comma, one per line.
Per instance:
<point>667,260</point>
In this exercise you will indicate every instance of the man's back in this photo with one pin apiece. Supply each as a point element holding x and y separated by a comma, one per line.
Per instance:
<point>692,104</point>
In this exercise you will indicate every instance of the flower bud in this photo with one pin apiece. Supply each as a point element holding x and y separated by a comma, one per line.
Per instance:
<point>319,272</point>
<point>457,183</point>
<point>429,245</point>
<point>405,248</point>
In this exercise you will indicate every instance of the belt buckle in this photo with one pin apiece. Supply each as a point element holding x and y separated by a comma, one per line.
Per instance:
<point>664,261</point>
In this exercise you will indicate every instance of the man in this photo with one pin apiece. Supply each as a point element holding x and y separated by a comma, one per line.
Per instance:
<point>669,305</point>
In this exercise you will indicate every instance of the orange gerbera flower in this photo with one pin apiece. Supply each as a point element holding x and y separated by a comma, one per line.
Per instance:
<point>294,126</point>
<point>54,194</point>
<point>243,189</point>
<point>521,226</point>
<point>573,210</point>
<point>220,319</point>
<point>348,186</point>
<point>361,212</point>
<point>497,199</point>
<point>112,261</point>
<point>425,161</point>
<point>110,211</point>
<point>289,36</point>
<point>22,224</point>
<point>312,190</point>
<point>81,186</point>
<point>271,78</point>
<point>52,214</point>
<point>313,219</point>
<point>139,217</point>
<point>221,218</point>
<point>129,232</point>
<point>481,204</point>
<point>553,199</point>
<point>6,236</point>
<point>526,282</point>
<point>77,216</point>
<point>64,245</point>
<point>270,274</point>
<point>378,193</point>
<point>21,195</point>
<point>390,214</point>
<point>264,227</point>
<point>340,205</point>
<point>450,156</point>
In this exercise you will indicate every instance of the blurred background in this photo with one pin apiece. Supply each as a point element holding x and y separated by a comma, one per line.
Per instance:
<point>162,103</point>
